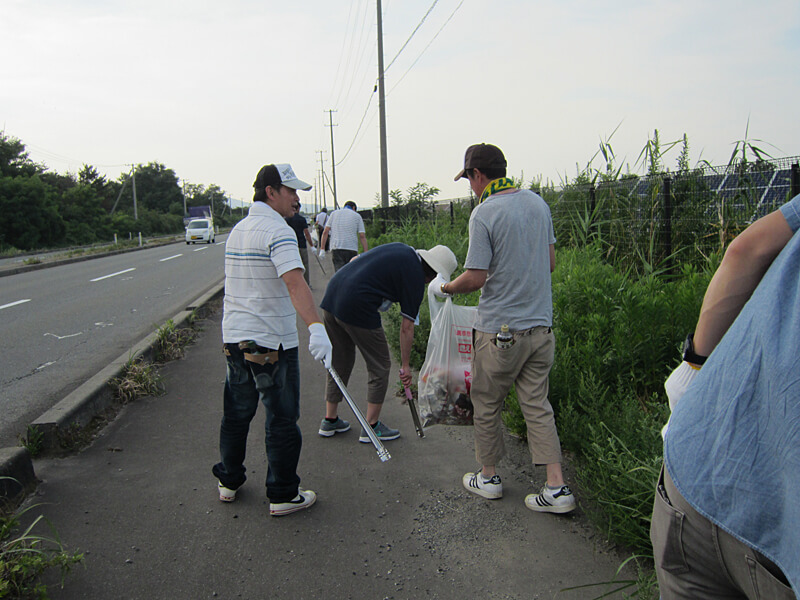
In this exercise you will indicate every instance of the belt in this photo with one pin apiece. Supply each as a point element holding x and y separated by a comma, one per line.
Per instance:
<point>253,352</point>
<point>532,330</point>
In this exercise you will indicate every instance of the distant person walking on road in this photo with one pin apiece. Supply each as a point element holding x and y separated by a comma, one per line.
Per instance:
<point>264,286</point>
<point>345,227</point>
<point>510,257</point>
<point>726,513</point>
<point>304,242</point>
<point>319,223</point>
<point>356,295</point>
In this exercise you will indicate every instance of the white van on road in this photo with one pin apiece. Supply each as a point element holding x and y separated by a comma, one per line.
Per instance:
<point>200,230</point>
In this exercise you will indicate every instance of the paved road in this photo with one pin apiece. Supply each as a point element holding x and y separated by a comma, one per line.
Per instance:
<point>61,325</point>
<point>142,504</point>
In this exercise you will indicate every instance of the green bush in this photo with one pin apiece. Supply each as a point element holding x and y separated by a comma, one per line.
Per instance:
<point>617,338</point>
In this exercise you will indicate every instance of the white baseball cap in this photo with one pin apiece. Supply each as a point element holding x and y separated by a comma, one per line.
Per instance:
<point>281,173</point>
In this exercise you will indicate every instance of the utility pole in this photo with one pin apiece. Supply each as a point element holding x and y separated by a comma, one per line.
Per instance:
<point>333,159</point>
<point>382,112</point>
<point>322,173</point>
<point>135,209</point>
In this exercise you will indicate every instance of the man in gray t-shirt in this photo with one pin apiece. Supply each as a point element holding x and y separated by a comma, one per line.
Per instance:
<point>510,257</point>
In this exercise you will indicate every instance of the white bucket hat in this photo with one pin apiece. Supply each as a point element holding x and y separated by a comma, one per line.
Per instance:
<point>441,259</point>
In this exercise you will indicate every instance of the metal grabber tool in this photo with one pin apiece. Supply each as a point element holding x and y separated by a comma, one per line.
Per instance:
<point>383,454</point>
<point>414,413</point>
<point>319,262</point>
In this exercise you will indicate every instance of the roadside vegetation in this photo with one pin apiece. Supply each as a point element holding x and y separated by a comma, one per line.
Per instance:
<point>25,555</point>
<point>43,209</point>
<point>624,299</point>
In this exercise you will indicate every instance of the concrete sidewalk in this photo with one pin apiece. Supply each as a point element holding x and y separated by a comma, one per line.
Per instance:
<point>142,504</point>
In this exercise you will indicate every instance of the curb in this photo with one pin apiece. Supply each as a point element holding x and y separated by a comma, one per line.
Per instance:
<point>77,410</point>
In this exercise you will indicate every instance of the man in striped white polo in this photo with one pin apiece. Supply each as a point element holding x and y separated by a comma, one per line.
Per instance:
<point>345,228</point>
<point>264,293</point>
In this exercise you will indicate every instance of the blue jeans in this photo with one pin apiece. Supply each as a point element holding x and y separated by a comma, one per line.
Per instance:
<point>277,386</point>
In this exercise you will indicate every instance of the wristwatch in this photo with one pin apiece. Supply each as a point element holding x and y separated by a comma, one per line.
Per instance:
<point>689,355</point>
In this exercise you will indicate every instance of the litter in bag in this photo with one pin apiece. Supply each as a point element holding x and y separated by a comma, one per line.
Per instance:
<point>446,374</point>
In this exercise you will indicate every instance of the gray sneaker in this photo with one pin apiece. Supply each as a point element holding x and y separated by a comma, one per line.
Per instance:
<point>383,432</point>
<point>327,429</point>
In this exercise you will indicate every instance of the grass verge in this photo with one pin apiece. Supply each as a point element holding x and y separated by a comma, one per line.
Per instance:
<point>25,555</point>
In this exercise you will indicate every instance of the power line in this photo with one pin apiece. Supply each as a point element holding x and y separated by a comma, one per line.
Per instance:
<point>341,52</point>
<point>347,152</point>
<point>435,2</point>
<point>358,51</point>
<point>369,102</point>
<point>452,14</point>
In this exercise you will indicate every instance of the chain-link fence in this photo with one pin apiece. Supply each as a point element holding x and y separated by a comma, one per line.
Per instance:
<point>667,218</point>
<point>651,221</point>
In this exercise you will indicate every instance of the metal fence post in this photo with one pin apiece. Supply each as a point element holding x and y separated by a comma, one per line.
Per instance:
<point>668,220</point>
<point>795,180</point>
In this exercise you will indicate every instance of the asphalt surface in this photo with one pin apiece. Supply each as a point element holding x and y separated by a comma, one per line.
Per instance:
<point>142,504</point>
<point>72,319</point>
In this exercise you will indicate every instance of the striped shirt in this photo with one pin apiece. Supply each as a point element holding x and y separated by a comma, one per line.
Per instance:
<point>257,306</point>
<point>345,225</point>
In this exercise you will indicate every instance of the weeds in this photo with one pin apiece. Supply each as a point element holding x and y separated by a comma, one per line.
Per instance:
<point>33,441</point>
<point>26,555</point>
<point>645,584</point>
<point>171,342</point>
<point>138,379</point>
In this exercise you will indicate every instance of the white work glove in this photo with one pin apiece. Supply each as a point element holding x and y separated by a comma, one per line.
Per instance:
<point>677,384</point>
<point>319,345</point>
<point>322,253</point>
<point>437,284</point>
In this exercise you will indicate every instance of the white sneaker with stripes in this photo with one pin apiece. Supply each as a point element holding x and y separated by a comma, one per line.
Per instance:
<point>552,501</point>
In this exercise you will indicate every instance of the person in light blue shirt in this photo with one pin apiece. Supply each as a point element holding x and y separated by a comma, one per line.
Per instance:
<point>726,515</point>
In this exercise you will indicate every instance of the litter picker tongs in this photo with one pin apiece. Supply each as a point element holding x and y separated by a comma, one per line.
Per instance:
<point>319,262</point>
<point>414,413</point>
<point>383,454</point>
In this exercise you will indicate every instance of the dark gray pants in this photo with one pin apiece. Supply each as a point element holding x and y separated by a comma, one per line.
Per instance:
<point>696,560</point>
<point>341,257</point>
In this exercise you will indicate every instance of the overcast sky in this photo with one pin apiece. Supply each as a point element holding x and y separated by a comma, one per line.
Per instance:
<point>214,90</point>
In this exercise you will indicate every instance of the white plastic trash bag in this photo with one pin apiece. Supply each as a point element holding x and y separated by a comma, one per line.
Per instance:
<point>446,374</point>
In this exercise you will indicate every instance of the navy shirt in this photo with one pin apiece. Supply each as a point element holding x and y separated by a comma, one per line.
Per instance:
<point>298,223</point>
<point>389,272</point>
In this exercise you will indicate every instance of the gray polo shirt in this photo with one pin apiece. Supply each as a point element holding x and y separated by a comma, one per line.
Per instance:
<point>510,236</point>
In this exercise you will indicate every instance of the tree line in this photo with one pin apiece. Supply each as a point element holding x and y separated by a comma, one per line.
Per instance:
<point>40,208</point>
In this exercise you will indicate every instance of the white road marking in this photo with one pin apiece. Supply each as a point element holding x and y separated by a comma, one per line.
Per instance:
<point>112,274</point>
<point>63,337</point>
<point>170,258</point>
<point>200,249</point>
<point>10,304</point>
